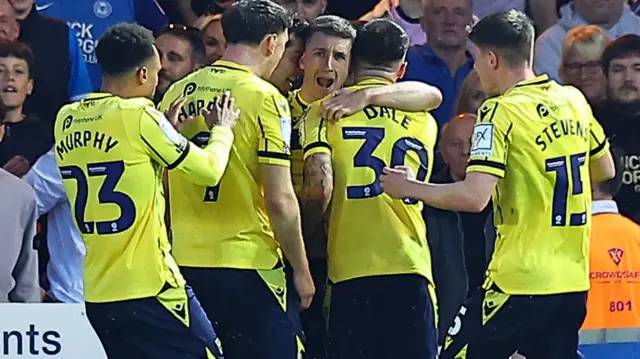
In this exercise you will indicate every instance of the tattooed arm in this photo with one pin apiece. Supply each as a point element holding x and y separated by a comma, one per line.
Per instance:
<point>316,191</point>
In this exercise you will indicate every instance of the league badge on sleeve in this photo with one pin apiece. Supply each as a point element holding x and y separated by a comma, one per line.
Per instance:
<point>482,140</point>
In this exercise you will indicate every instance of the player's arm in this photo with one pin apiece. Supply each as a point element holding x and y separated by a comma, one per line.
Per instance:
<point>274,157</point>
<point>601,164</point>
<point>173,151</point>
<point>410,96</point>
<point>317,187</point>
<point>486,167</point>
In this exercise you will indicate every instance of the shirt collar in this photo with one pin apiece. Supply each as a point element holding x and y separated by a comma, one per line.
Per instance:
<point>373,82</point>
<point>230,65</point>
<point>304,104</point>
<point>428,52</point>
<point>604,206</point>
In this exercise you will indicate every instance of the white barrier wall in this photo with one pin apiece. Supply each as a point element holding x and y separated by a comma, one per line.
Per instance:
<point>59,331</point>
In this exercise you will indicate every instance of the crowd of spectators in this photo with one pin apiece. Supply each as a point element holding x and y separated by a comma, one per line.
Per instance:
<point>47,59</point>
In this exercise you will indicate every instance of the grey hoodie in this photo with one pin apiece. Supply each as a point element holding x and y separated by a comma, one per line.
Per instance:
<point>548,50</point>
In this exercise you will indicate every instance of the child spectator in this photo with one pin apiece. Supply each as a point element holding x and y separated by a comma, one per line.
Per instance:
<point>25,137</point>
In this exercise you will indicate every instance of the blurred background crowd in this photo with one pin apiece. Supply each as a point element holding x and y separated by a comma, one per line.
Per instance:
<point>47,59</point>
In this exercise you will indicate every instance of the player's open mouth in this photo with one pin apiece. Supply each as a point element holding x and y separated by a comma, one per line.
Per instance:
<point>325,82</point>
<point>9,89</point>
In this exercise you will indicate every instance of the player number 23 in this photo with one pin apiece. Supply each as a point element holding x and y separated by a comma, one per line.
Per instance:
<point>365,158</point>
<point>112,171</point>
<point>567,169</point>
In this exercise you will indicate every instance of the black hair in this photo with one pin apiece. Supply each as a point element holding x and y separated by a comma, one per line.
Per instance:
<point>332,25</point>
<point>612,186</point>
<point>625,46</point>
<point>124,48</point>
<point>250,21</point>
<point>189,34</point>
<point>509,33</point>
<point>299,28</point>
<point>20,51</point>
<point>380,43</point>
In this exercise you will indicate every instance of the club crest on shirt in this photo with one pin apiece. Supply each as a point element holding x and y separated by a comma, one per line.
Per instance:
<point>482,140</point>
<point>102,9</point>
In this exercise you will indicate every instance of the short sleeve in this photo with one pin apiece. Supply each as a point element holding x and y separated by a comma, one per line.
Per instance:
<point>163,142</point>
<point>313,133</point>
<point>598,143</point>
<point>274,122</point>
<point>490,140</point>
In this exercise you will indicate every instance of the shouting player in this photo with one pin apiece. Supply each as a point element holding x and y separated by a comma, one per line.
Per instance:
<point>378,258</point>
<point>326,61</point>
<point>228,238</point>
<point>111,148</point>
<point>536,148</point>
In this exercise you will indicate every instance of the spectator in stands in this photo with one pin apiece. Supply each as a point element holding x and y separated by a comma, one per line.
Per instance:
<point>615,248</point>
<point>90,19</point>
<point>25,137</point>
<point>458,241</point>
<point>59,70</point>
<point>580,64</point>
<point>613,16</point>
<point>444,60</point>
<point>308,9</point>
<point>471,96</point>
<point>9,28</point>
<point>620,117</point>
<point>181,52</point>
<point>406,13</point>
<point>18,258</point>
<point>214,41</point>
<point>65,246</point>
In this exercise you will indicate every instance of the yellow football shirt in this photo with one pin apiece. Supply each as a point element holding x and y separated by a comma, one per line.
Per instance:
<point>111,152</point>
<point>298,108</point>
<point>539,138</point>
<point>227,226</point>
<point>369,232</point>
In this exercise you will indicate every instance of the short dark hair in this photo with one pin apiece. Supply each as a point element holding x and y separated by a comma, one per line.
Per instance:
<point>20,51</point>
<point>625,46</point>
<point>250,21</point>
<point>124,48</point>
<point>612,186</point>
<point>510,33</point>
<point>380,43</point>
<point>189,34</point>
<point>332,25</point>
<point>299,28</point>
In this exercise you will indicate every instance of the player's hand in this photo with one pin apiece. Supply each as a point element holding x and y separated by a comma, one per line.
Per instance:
<point>223,113</point>
<point>343,103</point>
<point>173,113</point>
<point>395,181</point>
<point>17,166</point>
<point>303,282</point>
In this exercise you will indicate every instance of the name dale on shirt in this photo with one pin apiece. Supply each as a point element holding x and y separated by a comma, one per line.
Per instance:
<point>77,139</point>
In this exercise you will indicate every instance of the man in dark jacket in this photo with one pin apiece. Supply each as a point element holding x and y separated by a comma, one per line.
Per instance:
<point>620,117</point>
<point>460,243</point>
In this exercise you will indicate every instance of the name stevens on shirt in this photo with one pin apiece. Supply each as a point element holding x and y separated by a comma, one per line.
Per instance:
<point>373,112</point>
<point>560,129</point>
<point>81,139</point>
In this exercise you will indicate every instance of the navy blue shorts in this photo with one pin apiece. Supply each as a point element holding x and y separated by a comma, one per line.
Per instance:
<point>382,317</point>
<point>171,325</point>
<point>251,311</point>
<point>493,324</point>
<point>312,320</point>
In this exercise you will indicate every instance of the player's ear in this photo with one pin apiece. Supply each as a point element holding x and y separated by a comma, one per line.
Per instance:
<point>301,61</point>
<point>269,44</point>
<point>402,69</point>
<point>493,59</point>
<point>142,74</point>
